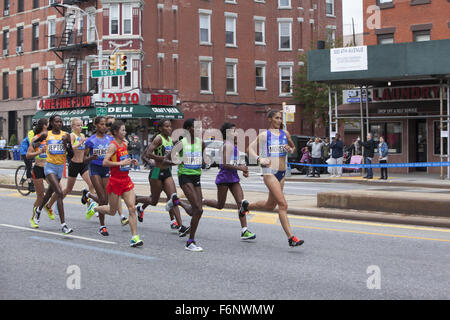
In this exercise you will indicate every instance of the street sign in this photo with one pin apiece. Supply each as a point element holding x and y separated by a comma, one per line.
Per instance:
<point>290,117</point>
<point>106,73</point>
<point>101,111</point>
<point>290,108</point>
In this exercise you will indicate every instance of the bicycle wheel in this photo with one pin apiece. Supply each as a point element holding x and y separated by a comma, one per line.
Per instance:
<point>22,184</point>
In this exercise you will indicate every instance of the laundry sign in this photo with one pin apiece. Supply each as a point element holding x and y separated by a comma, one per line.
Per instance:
<point>348,59</point>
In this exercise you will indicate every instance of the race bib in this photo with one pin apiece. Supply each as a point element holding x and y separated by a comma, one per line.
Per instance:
<point>277,149</point>
<point>56,147</point>
<point>100,152</point>
<point>193,160</point>
<point>81,146</point>
<point>124,168</point>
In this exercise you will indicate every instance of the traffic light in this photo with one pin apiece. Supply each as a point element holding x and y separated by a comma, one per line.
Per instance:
<point>123,62</point>
<point>113,62</point>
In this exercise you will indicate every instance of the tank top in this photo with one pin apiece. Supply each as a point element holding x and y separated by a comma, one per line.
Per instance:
<point>77,142</point>
<point>227,175</point>
<point>121,154</point>
<point>192,159</point>
<point>99,147</point>
<point>56,151</point>
<point>165,148</point>
<point>275,144</point>
<point>40,147</point>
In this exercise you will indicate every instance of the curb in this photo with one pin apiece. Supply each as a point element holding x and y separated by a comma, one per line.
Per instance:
<point>382,217</point>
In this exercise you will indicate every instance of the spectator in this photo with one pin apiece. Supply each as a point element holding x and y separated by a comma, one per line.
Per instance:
<point>383,151</point>
<point>337,155</point>
<point>3,153</point>
<point>316,154</point>
<point>135,148</point>
<point>369,150</point>
<point>306,158</point>
<point>326,149</point>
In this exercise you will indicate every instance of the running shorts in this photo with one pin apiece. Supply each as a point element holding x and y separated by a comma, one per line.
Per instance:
<point>156,173</point>
<point>57,169</point>
<point>76,169</point>
<point>38,172</point>
<point>119,186</point>
<point>95,170</point>
<point>185,178</point>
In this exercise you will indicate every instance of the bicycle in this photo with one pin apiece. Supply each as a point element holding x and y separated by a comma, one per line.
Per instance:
<point>23,186</point>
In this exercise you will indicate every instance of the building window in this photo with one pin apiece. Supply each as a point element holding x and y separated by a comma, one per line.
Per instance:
<point>35,4</point>
<point>284,29</point>
<point>437,138</point>
<point>79,71</point>
<point>424,35</point>
<point>114,19</point>
<point>205,29</point>
<point>20,37</point>
<point>114,82</point>
<point>19,83</point>
<point>5,42</point>
<point>230,31</point>
<point>330,7</point>
<point>259,32</point>
<point>392,133</point>
<point>27,124</point>
<point>5,81</point>
<point>331,34</point>
<point>127,19</point>
<point>285,80</point>
<point>35,82</point>
<point>231,78</point>
<point>387,38</point>
<point>20,5</point>
<point>6,8</point>
<point>260,76</point>
<point>285,4</point>
<point>51,33</point>
<point>35,31</point>
<point>205,76</point>
<point>51,81</point>
<point>127,80</point>
<point>91,27</point>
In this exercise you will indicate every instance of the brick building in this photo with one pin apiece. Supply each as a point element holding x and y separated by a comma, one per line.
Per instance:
<point>405,111</point>
<point>219,61</point>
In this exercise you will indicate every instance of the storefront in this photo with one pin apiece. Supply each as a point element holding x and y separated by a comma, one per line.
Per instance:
<point>140,119</point>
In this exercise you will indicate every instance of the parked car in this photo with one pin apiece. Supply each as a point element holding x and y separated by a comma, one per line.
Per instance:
<point>213,149</point>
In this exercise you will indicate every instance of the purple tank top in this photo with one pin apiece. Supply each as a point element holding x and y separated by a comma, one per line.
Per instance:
<point>227,175</point>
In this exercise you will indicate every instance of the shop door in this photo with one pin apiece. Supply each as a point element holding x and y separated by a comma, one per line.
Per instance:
<point>421,139</point>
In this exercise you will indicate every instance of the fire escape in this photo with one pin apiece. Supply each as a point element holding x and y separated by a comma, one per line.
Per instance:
<point>70,48</point>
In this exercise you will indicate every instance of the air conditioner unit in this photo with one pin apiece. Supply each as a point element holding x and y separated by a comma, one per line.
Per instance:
<point>315,6</point>
<point>6,12</point>
<point>19,50</point>
<point>5,52</point>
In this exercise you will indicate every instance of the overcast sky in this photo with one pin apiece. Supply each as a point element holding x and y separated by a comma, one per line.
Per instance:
<point>352,9</point>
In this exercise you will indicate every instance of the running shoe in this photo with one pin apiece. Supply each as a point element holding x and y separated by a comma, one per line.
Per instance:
<point>183,231</point>
<point>37,215</point>
<point>193,247</point>
<point>91,211</point>
<point>136,241</point>
<point>174,226</point>
<point>294,241</point>
<point>66,230</point>
<point>124,221</point>
<point>247,235</point>
<point>49,212</point>
<point>244,208</point>
<point>33,222</point>
<point>140,213</point>
<point>174,201</point>
<point>103,231</point>
<point>84,198</point>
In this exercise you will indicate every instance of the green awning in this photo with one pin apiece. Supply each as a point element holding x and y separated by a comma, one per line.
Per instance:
<point>118,111</point>
<point>66,115</point>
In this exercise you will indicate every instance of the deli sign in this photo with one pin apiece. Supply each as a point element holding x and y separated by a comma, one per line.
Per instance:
<point>82,101</point>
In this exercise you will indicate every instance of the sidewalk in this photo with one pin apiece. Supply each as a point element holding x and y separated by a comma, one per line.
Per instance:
<point>337,204</point>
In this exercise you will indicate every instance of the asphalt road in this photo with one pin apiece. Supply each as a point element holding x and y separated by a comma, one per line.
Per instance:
<point>339,260</point>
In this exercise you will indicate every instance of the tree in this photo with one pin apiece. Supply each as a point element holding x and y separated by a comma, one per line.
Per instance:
<point>312,95</point>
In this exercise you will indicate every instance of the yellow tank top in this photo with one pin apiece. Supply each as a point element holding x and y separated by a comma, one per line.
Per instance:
<point>56,151</point>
